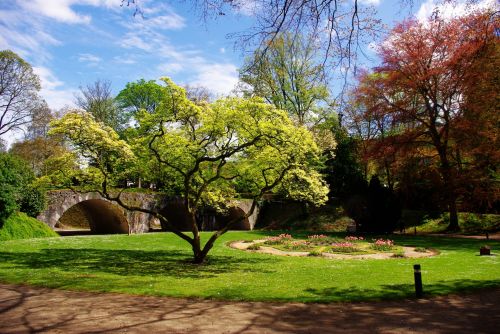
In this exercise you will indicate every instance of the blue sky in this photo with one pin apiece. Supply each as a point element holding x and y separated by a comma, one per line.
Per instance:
<point>71,43</point>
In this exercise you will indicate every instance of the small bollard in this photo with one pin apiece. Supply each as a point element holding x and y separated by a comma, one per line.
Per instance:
<point>485,250</point>
<point>418,281</point>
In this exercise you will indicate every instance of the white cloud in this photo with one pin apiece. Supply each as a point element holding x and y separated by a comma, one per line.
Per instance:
<point>169,21</point>
<point>62,11</point>
<point>370,2</point>
<point>128,60</point>
<point>89,58</point>
<point>180,60</point>
<point>450,10</point>
<point>52,90</point>
<point>168,69</point>
<point>59,10</point>
<point>222,50</point>
<point>219,78</point>
<point>25,37</point>
<point>134,40</point>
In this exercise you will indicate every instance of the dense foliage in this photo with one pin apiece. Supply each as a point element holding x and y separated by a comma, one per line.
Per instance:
<point>15,180</point>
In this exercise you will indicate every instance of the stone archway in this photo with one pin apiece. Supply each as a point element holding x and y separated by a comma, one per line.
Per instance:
<point>100,216</point>
<point>94,206</point>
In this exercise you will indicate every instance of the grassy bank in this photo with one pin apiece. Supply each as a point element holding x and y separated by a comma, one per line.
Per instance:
<point>20,226</point>
<point>469,223</point>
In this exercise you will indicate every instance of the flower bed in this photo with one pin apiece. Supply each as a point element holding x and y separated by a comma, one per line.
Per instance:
<point>344,247</point>
<point>319,243</point>
<point>382,245</point>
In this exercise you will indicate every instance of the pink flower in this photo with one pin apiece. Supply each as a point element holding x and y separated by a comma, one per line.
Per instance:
<point>353,238</point>
<point>343,244</point>
<point>317,236</point>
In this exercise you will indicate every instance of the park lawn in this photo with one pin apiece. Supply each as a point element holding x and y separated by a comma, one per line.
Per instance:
<point>158,264</point>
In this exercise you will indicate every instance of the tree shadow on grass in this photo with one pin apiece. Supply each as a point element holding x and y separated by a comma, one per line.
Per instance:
<point>399,291</point>
<point>129,262</point>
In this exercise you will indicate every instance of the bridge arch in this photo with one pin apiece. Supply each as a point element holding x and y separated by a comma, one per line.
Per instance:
<point>98,215</point>
<point>94,208</point>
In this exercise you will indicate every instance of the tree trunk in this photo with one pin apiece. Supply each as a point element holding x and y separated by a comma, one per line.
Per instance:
<point>198,255</point>
<point>452,206</point>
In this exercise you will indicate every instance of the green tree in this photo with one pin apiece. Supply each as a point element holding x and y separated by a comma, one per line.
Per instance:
<point>343,170</point>
<point>209,148</point>
<point>19,88</point>
<point>288,76</point>
<point>38,148</point>
<point>15,181</point>
<point>97,100</point>
<point>139,95</point>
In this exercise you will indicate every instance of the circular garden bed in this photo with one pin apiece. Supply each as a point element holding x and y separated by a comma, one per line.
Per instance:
<point>351,247</point>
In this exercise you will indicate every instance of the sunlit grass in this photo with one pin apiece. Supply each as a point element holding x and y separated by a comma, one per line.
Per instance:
<point>159,264</point>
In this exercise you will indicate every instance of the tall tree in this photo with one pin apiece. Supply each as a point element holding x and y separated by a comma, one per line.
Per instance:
<point>289,77</point>
<point>19,88</point>
<point>420,87</point>
<point>37,148</point>
<point>139,95</point>
<point>209,148</point>
<point>97,99</point>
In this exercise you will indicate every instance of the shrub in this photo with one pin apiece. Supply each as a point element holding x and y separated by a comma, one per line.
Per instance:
<point>33,201</point>
<point>14,176</point>
<point>254,247</point>
<point>315,252</point>
<point>399,254</point>
<point>20,226</point>
<point>472,223</point>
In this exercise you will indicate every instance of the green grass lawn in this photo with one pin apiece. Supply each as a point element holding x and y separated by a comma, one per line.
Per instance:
<point>158,264</point>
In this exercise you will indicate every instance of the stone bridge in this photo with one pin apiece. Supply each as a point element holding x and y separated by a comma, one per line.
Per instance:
<point>104,217</point>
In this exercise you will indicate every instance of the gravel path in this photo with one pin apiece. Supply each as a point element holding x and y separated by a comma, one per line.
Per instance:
<point>26,309</point>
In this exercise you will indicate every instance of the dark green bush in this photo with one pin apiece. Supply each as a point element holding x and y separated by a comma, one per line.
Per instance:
<point>33,201</point>
<point>15,177</point>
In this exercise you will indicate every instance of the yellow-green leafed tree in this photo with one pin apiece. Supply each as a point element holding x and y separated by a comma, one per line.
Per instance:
<point>209,149</point>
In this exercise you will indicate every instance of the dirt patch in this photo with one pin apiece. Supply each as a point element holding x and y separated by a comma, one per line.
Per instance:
<point>40,310</point>
<point>408,252</point>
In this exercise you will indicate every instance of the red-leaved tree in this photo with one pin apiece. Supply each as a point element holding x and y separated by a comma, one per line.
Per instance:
<point>425,93</point>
